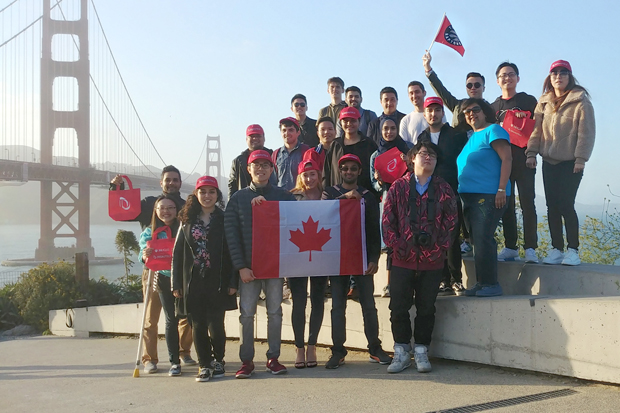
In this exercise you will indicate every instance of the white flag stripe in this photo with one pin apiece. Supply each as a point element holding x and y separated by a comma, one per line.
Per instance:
<point>324,262</point>
<point>363,225</point>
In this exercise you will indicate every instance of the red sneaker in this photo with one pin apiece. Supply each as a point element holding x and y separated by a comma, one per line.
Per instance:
<point>246,370</point>
<point>274,366</point>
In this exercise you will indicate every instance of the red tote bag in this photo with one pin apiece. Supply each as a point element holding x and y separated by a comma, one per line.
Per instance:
<point>124,205</point>
<point>519,129</point>
<point>161,257</point>
<point>390,165</point>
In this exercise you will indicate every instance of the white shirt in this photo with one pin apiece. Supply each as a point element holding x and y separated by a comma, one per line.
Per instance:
<point>413,124</point>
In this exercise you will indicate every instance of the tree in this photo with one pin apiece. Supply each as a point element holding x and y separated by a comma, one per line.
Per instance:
<point>126,244</point>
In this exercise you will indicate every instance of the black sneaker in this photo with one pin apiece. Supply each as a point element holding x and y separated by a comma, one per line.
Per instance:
<point>380,356</point>
<point>204,374</point>
<point>218,368</point>
<point>445,289</point>
<point>334,362</point>
<point>458,288</point>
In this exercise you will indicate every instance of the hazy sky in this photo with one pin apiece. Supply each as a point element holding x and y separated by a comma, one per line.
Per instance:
<point>204,67</point>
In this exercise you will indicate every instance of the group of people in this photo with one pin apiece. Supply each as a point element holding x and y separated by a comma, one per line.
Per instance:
<point>459,177</point>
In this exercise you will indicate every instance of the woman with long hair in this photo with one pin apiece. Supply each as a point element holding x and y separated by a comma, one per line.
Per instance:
<point>484,167</point>
<point>564,138</point>
<point>164,214</point>
<point>203,280</point>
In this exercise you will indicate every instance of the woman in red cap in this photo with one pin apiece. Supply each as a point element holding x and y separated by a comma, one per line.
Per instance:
<point>202,276</point>
<point>564,138</point>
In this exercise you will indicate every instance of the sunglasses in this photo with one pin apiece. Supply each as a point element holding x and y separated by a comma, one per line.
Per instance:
<point>475,109</point>
<point>349,168</point>
<point>299,104</point>
<point>473,85</point>
<point>559,73</point>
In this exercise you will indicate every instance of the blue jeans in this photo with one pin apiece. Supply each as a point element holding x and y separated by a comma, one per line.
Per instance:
<point>248,300</point>
<point>481,218</point>
<point>172,323</point>
<point>299,292</point>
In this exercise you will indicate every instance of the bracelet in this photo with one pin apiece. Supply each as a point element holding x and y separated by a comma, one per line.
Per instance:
<point>501,190</point>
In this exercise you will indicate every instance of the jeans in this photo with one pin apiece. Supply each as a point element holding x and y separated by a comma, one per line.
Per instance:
<point>406,283</point>
<point>525,179</point>
<point>561,186</point>
<point>172,324</point>
<point>481,218</point>
<point>299,291</point>
<point>248,300</point>
<point>340,288</point>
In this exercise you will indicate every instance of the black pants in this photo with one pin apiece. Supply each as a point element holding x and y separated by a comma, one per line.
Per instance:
<point>561,186</point>
<point>172,323</point>
<point>452,268</point>
<point>299,292</point>
<point>340,288</point>
<point>525,179</point>
<point>403,284</point>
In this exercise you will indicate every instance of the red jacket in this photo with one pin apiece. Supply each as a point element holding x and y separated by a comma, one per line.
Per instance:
<point>398,231</point>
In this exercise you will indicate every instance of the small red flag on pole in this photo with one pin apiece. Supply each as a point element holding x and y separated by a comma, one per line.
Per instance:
<point>446,35</point>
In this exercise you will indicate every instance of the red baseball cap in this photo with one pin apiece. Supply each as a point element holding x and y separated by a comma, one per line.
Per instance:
<point>561,63</point>
<point>289,119</point>
<point>259,155</point>
<point>206,181</point>
<point>349,112</point>
<point>349,157</point>
<point>254,129</point>
<point>307,165</point>
<point>432,100</point>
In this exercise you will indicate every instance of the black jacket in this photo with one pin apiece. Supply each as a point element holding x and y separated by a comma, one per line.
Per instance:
<point>373,231</point>
<point>238,221</point>
<point>364,150</point>
<point>374,131</point>
<point>221,267</point>
<point>239,176</point>
<point>450,144</point>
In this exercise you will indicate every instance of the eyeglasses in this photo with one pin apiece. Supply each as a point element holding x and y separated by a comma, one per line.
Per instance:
<point>560,73</point>
<point>166,209</point>
<point>261,165</point>
<point>507,75</point>
<point>299,104</point>
<point>427,155</point>
<point>475,109</point>
<point>349,168</point>
<point>473,85</point>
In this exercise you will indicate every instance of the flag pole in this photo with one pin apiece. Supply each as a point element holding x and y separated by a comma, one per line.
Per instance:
<point>434,37</point>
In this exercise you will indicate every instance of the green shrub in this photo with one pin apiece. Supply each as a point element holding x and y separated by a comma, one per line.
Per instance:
<point>9,314</point>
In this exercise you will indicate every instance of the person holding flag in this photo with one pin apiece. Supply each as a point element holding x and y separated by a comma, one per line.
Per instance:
<point>350,168</point>
<point>239,235</point>
<point>202,277</point>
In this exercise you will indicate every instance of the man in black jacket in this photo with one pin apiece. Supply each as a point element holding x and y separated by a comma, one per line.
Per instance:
<point>389,101</point>
<point>239,176</point>
<point>450,144</point>
<point>171,185</point>
<point>350,169</point>
<point>238,228</point>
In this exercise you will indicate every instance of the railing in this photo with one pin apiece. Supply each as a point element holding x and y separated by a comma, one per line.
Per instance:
<point>9,277</point>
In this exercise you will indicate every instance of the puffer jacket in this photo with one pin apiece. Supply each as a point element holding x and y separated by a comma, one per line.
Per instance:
<point>398,231</point>
<point>566,134</point>
<point>239,176</point>
<point>238,221</point>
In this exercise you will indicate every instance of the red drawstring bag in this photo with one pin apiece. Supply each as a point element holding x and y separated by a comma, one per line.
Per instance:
<point>161,257</point>
<point>390,165</point>
<point>124,205</point>
<point>519,129</point>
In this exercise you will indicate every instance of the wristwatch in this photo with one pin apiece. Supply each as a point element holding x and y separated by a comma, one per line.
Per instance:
<point>501,190</point>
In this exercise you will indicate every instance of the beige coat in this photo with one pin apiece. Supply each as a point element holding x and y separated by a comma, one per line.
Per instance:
<point>565,135</point>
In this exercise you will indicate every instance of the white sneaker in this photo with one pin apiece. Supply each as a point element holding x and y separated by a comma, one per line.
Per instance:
<point>530,255</point>
<point>150,367</point>
<point>401,360</point>
<point>571,257</point>
<point>420,356</point>
<point>554,257</point>
<point>508,254</point>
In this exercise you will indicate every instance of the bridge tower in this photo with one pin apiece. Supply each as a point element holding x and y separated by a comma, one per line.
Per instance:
<point>214,159</point>
<point>59,202</point>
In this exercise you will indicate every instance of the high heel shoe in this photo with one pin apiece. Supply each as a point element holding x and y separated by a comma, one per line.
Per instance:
<point>300,360</point>
<point>311,357</point>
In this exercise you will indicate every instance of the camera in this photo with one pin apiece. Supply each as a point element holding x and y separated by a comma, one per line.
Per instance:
<point>423,239</point>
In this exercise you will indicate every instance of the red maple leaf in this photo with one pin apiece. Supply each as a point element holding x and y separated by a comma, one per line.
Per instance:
<point>311,239</point>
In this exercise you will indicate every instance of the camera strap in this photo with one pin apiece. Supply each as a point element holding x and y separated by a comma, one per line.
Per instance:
<point>430,201</point>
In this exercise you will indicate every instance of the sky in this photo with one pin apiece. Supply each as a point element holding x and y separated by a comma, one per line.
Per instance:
<point>204,67</point>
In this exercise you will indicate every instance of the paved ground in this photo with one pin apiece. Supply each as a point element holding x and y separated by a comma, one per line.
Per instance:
<point>56,374</point>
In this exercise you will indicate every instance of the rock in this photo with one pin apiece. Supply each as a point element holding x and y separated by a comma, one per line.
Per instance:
<point>20,330</point>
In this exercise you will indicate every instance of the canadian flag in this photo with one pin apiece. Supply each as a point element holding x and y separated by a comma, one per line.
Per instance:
<point>308,238</point>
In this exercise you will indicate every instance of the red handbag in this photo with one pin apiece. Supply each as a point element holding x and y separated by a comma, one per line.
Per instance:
<point>124,205</point>
<point>161,257</point>
<point>390,165</point>
<point>519,129</point>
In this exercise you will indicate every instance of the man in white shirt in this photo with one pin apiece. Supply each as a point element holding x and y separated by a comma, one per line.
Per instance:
<point>414,123</point>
